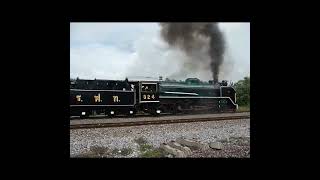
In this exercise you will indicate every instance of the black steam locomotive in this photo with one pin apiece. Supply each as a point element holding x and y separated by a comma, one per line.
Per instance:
<point>113,97</point>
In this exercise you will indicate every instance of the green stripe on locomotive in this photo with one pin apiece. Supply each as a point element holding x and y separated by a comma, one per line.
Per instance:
<point>184,89</point>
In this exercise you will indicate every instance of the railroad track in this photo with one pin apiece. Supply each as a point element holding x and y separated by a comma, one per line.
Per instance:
<point>154,122</point>
<point>141,115</point>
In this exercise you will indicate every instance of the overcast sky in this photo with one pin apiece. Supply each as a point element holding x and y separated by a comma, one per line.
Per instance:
<point>134,50</point>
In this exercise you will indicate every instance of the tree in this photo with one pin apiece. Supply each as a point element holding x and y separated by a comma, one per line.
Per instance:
<point>167,80</point>
<point>242,88</point>
<point>170,80</point>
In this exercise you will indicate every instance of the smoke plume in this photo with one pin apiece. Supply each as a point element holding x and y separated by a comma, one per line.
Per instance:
<point>197,40</point>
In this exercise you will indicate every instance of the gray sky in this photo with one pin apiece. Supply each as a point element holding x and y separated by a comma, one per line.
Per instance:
<point>133,50</point>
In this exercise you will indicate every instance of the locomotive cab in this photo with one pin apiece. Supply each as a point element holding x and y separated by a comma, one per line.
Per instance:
<point>148,97</point>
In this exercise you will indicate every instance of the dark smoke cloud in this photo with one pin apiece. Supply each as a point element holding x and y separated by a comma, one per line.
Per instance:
<point>193,37</point>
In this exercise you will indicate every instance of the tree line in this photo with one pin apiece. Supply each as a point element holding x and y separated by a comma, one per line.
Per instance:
<point>242,88</point>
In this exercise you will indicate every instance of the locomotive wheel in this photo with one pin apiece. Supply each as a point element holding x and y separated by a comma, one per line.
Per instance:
<point>165,108</point>
<point>153,112</point>
<point>174,109</point>
<point>179,108</point>
<point>84,116</point>
<point>131,115</point>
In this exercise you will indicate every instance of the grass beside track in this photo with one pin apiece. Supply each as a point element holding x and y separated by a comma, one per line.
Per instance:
<point>243,109</point>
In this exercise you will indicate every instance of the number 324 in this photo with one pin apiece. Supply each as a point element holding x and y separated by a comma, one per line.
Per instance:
<point>148,96</point>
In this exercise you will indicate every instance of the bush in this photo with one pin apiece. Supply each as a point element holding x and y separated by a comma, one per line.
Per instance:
<point>145,147</point>
<point>242,88</point>
<point>153,153</point>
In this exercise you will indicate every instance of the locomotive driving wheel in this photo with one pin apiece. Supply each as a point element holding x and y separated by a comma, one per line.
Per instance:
<point>173,109</point>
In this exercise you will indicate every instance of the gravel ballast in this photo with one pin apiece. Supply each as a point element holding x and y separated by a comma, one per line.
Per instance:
<point>234,135</point>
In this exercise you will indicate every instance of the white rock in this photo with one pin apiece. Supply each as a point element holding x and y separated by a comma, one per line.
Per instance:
<point>216,145</point>
<point>172,150</point>
<point>192,143</point>
<point>186,150</point>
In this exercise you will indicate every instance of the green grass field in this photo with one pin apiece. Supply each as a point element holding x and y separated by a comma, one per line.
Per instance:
<point>243,108</point>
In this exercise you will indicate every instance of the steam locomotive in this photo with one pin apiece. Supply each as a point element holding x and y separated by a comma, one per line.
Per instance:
<point>114,97</point>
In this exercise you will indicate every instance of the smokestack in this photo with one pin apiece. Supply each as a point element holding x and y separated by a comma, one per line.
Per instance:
<point>215,81</point>
<point>188,36</point>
